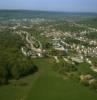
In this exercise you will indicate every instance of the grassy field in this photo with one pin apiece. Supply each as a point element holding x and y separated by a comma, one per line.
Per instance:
<point>46,85</point>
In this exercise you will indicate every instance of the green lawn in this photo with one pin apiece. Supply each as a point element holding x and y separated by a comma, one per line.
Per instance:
<point>46,85</point>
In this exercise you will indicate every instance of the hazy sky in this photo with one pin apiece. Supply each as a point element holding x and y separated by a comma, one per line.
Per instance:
<point>51,5</point>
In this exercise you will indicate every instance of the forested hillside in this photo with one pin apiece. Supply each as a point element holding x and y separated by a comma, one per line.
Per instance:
<point>12,63</point>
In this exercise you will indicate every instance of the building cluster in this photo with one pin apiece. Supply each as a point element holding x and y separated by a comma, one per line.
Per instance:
<point>84,48</point>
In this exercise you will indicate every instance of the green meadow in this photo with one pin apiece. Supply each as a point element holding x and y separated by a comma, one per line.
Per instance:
<point>46,84</point>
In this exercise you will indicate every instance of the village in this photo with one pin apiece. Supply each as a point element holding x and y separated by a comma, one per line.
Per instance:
<point>61,41</point>
<point>73,47</point>
<point>76,47</point>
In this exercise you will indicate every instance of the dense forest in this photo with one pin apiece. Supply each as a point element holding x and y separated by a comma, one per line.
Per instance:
<point>13,65</point>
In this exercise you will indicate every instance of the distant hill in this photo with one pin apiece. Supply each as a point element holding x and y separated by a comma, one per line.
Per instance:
<point>19,14</point>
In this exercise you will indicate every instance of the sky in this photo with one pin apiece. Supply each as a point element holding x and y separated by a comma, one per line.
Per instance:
<point>51,5</point>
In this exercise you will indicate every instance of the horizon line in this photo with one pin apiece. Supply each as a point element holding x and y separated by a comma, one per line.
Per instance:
<point>47,10</point>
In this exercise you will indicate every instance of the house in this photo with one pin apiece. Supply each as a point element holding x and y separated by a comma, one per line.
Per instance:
<point>77,60</point>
